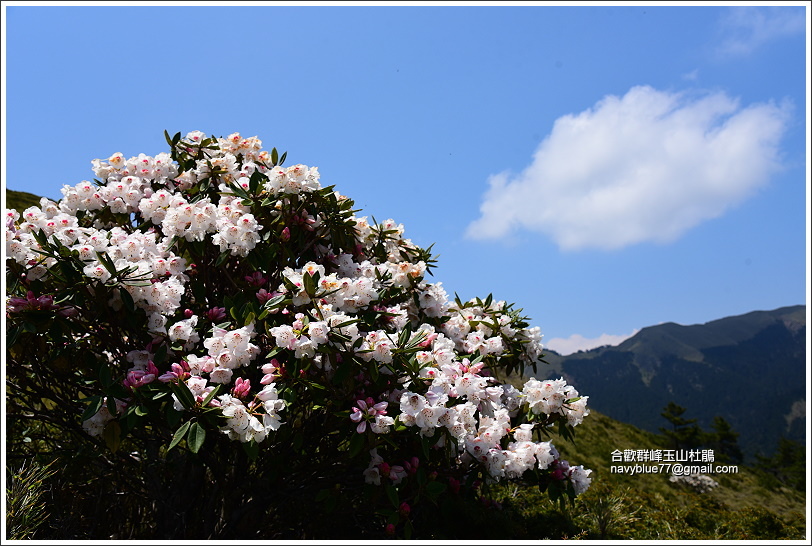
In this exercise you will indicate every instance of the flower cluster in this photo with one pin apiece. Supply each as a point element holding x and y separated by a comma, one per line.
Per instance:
<point>549,397</point>
<point>243,270</point>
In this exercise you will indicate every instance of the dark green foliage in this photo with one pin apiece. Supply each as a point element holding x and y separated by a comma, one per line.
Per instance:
<point>724,441</point>
<point>787,466</point>
<point>683,433</point>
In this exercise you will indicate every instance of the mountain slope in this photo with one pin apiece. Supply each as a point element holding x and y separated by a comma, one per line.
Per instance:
<point>750,369</point>
<point>650,506</point>
<point>20,200</point>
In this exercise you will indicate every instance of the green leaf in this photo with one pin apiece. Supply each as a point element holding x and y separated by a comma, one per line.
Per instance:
<point>183,393</point>
<point>392,494</point>
<point>310,283</point>
<point>356,444</point>
<point>179,434</point>
<point>274,156</point>
<point>129,304</point>
<point>111,405</point>
<point>173,416</point>
<point>275,302</point>
<point>404,335</point>
<point>28,327</point>
<point>104,376</point>
<point>93,407</point>
<point>197,435</point>
<point>251,449</point>
<point>160,355</point>
<point>435,488</point>
<point>211,395</point>
<point>106,262</point>
<point>222,258</point>
<point>12,337</point>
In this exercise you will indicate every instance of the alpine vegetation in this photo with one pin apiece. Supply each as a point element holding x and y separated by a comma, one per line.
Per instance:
<point>208,306</point>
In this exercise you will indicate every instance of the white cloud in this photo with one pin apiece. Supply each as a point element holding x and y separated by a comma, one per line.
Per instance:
<point>577,342</point>
<point>693,75</point>
<point>647,166</point>
<point>744,29</point>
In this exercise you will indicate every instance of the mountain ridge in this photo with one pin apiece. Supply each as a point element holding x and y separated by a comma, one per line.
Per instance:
<point>749,369</point>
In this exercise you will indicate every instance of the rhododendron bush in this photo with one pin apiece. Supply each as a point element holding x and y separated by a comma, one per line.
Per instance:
<point>208,319</point>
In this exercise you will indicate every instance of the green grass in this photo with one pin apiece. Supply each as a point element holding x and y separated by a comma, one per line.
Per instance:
<point>26,509</point>
<point>20,200</point>
<point>648,506</point>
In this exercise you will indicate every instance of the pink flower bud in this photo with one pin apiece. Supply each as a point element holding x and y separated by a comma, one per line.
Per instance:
<point>390,529</point>
<point>255,279</point>
<point>285,235</point>
<point>428,341</point>
<point>263,296</point>
<point>476,368</point>
<point>404,509</point>
<point>137,378</point>
<point>216,313</point>
<point>242,387</point>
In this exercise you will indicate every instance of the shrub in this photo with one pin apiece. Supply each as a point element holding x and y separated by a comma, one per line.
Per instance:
<point>237,354</point>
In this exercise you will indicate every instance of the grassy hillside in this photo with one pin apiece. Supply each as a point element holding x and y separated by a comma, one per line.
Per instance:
<point>648,506</point>
<point>20,200</point>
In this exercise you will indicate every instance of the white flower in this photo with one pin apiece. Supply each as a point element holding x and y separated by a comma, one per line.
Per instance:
<point>579,477</point>
<point>411,404</point>
<point>372,474</point>
<point>221,375</point>
<point>284,336</point>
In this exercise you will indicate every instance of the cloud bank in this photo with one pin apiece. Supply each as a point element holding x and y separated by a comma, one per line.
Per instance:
<point>647,166</point>
<point>577,342</point>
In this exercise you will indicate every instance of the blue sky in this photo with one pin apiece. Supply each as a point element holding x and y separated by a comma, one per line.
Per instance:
<point>606,168</point>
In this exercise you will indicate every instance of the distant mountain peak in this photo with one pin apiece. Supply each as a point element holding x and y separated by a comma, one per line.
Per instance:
<point>716,368</point>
